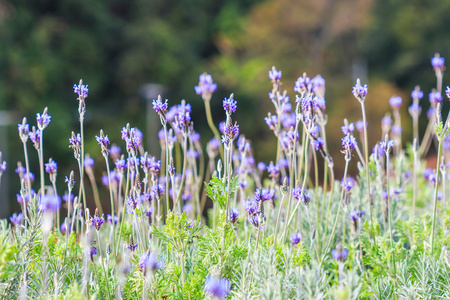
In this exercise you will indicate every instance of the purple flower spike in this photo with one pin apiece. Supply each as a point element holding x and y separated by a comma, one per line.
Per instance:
<point>435,97</point>
<point>230,105</point>
<point>359,126</point>
<point>159,106</point>
<point>102,140</point>
<point>438,62</point>
<point>51,166</point>
<point>234,214</point>
<point>97,221</point>
<point>205,86</point>
<point>274,75</point>
<point>301,195</point>
<point>148,261</point>
<point>217,287</point>
<point>395,102</point>
<point>359,91</point>
<point>49,203</point>
<point>386,146</point>
<point>16,219</point>
<point>339,254</point>
<point>43,120</point>
<point>81,89</point>
<point>89,162</point>
<point>349,142</point>
<point>109,218</point>
<point>295,238</point>
<point>2,167</point>
<point>417,93</point>
<point>348,184</point>
<point>348,129</point>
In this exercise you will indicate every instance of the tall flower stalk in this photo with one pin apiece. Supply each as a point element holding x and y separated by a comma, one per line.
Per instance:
<point>360,93</point>
<point>386,147</point>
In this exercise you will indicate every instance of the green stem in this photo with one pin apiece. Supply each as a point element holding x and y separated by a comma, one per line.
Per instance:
<point>211,124</point>
<point>366,152</point>
<point>112,205</point>
<point>338,212</point>
<point>436,192</point>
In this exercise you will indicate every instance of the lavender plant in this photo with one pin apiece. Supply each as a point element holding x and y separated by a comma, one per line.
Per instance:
<point>275,231</point>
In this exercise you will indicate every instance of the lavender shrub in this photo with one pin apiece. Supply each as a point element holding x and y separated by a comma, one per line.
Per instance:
<point>274,231</point>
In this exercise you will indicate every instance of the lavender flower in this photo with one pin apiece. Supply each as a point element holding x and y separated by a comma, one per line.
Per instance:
<point>435,97</point>
<point>348,128</point>
<point>355,215</point>
<point>88,162</point>
<point>2,166</point>
<point>274,75</point>
<point>438,62</point>
<point>359,126</point>
<point>43,120</point>
<point>339,254</point>
<point>386,146</point>
<point>415,109</point>
<point>234,215</point>
<point>447,92</point>
<point>230,133</point>
<point>349,142</point>
<point>16,219</point>
<point>24,130</point>
<point>68,197</point>
<point>303,84</point>
<point>103,141</point>
<point>359,91</point>
<point>417,93</point>
<point>295,238</point>
<point>230,105</point>
<point>265,194</point>
<point>96,220</point>
<point>35,137</point>
<point>81,89</point>
<point>395,102</point>
<point>217,287</point>
<point>148,261</point>
<point>300,194</point>
<point>51,166</point>
<point>273,170</point>
<point>115,151</point>
<point>131,246</point>
<point>348,183</point>
<point>27,196</point>
<point>251,207</point>
<point>49,203</point>
<point>205,86</point>
<point>109,218</point>
<point>91,252</point>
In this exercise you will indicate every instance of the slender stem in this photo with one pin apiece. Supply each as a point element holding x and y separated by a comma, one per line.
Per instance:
<point>97,201</point>
<point>103,265</point>
<point>390,210</point>
<point>337,215</point>
<point>278,217</point>
<point>414,179</point>
<point>167,168</point>
<point>436,192</point>
<point>27,165</point>
<point>183,176</point>
<point>366,152</point>
<point>211,124</point>
<point>82,190</point>
<point>41,162</point>
<point>112,204</point>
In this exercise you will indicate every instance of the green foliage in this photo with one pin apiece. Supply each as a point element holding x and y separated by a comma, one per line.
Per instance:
<point>178,232</point>
<point>216,189</point>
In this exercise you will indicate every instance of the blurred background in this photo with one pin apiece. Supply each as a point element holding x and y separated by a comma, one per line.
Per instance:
<point>129,51</point>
